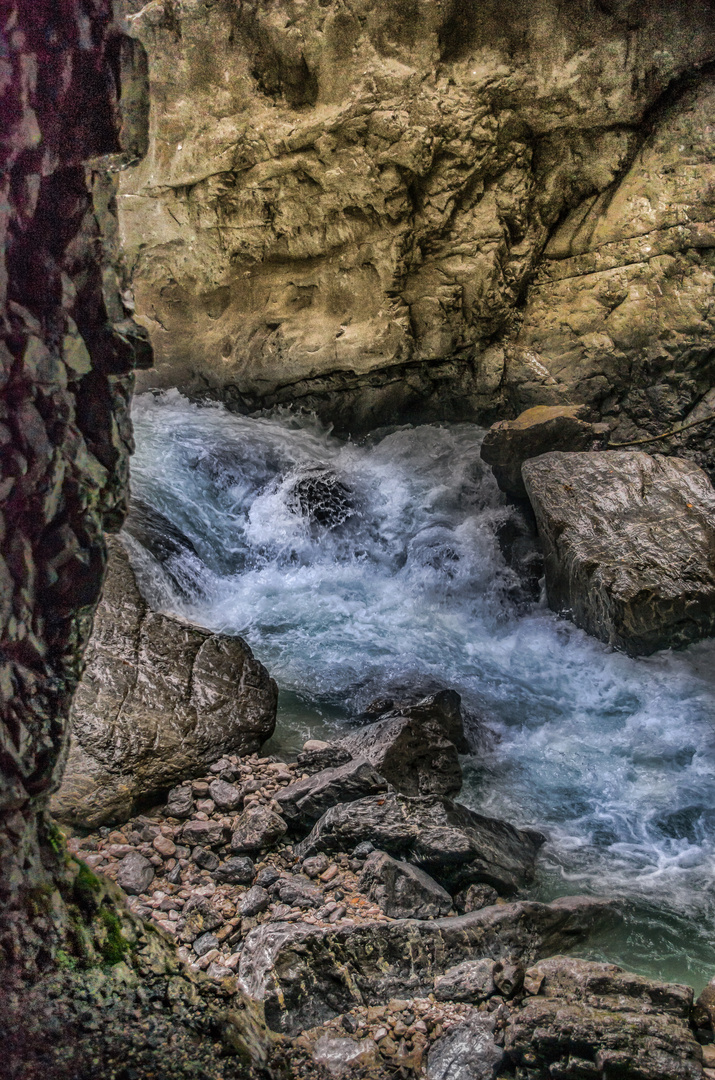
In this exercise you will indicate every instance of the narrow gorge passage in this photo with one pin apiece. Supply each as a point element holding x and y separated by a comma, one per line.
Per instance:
<point>403,586</point>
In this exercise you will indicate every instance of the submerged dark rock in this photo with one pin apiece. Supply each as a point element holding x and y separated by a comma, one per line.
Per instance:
<point>629,545</point>
<point>451,843</point>
<point>321,497</point>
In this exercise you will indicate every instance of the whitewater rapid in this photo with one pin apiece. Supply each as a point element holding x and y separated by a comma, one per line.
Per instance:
<point>611,756</point>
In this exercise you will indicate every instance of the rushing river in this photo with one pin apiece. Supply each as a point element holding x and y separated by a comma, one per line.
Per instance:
<point>612,757</point>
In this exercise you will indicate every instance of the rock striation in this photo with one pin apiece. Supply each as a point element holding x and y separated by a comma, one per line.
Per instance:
<point>159,701</point>
<point>441,210</point>
<point>629,545</point>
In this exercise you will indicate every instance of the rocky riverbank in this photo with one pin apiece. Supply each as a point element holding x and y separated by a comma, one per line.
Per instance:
<point>363,963</point>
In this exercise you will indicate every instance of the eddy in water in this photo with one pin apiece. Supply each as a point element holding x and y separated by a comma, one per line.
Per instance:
<point>359,570</point>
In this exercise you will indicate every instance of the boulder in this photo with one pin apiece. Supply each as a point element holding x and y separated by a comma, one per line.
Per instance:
<point>180,802</point>
<point>467,1052</point>
<point>453,844</point>
<point>255,901</point>
<point>135,874</point>
<point>306,974</point>
<point>303,802</point>
<point>415,747</point>
<point>256,829</point>
<point>595,1021</point>
<point>236,871</point>
<point>204,833</point>
<point>509,443</point>
<point>297,891</point>
<point>628,545</point>
<point>225,796</point>
<point>402,891</point>
<point>159,701</point>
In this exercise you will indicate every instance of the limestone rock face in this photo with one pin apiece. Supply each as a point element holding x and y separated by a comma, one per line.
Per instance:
<point>160,700</point>
<point>595,1020</point>
<point>629,545</point>
<point>344,206</point>
<point>305,974</point>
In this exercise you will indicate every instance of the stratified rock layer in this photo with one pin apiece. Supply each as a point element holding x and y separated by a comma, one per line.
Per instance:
<point>305,974</point>
<point>629,545</point>
<point>345,206</point>
<point>159,701</point>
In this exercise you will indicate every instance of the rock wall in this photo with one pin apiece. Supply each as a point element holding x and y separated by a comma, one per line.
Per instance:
<point>86,988</point>
<point>73,97</point>
<point>449,208</point>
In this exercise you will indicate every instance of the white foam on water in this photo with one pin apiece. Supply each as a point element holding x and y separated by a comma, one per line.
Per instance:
<point>611,756</point>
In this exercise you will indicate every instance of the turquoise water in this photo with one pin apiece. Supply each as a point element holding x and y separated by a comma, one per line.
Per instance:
<point>611,756</point>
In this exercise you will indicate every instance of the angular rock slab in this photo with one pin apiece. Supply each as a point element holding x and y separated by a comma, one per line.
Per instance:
<point>159,701</point>
<point>415,747</point>
<point>305,974</point>
<point>304,802</point>
<point>509,443</point>
<point>596,1021</point>
<point>629,545</point>
<point>451,843</point>
<point>402,891</point>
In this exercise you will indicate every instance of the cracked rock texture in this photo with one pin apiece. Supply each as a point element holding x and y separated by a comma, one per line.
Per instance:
<point>382,209</point>
<point>629,545</point>
<point>305,974</point>
<point>159,701</point>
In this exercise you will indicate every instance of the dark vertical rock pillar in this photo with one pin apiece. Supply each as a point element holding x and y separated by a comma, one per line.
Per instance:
<point>73,104</point>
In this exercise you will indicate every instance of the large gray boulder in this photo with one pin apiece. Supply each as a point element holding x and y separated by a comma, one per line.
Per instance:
<point>415,747</point>
<point>629,545</point>
<point>467,1052</point>
<point>159,701</point>
<point>450,842</point>
<point>306,974</point>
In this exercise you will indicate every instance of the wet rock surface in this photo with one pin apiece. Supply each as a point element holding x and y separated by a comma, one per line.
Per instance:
<point>539,430</point>
<point>306,974</point>
<point>159,699</point>
<point>628,545</point>
<point>467,1052</point>
<point>402,891</point>
<point>450,842</point>
<point>415,747</point>
<point>453,169</point>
